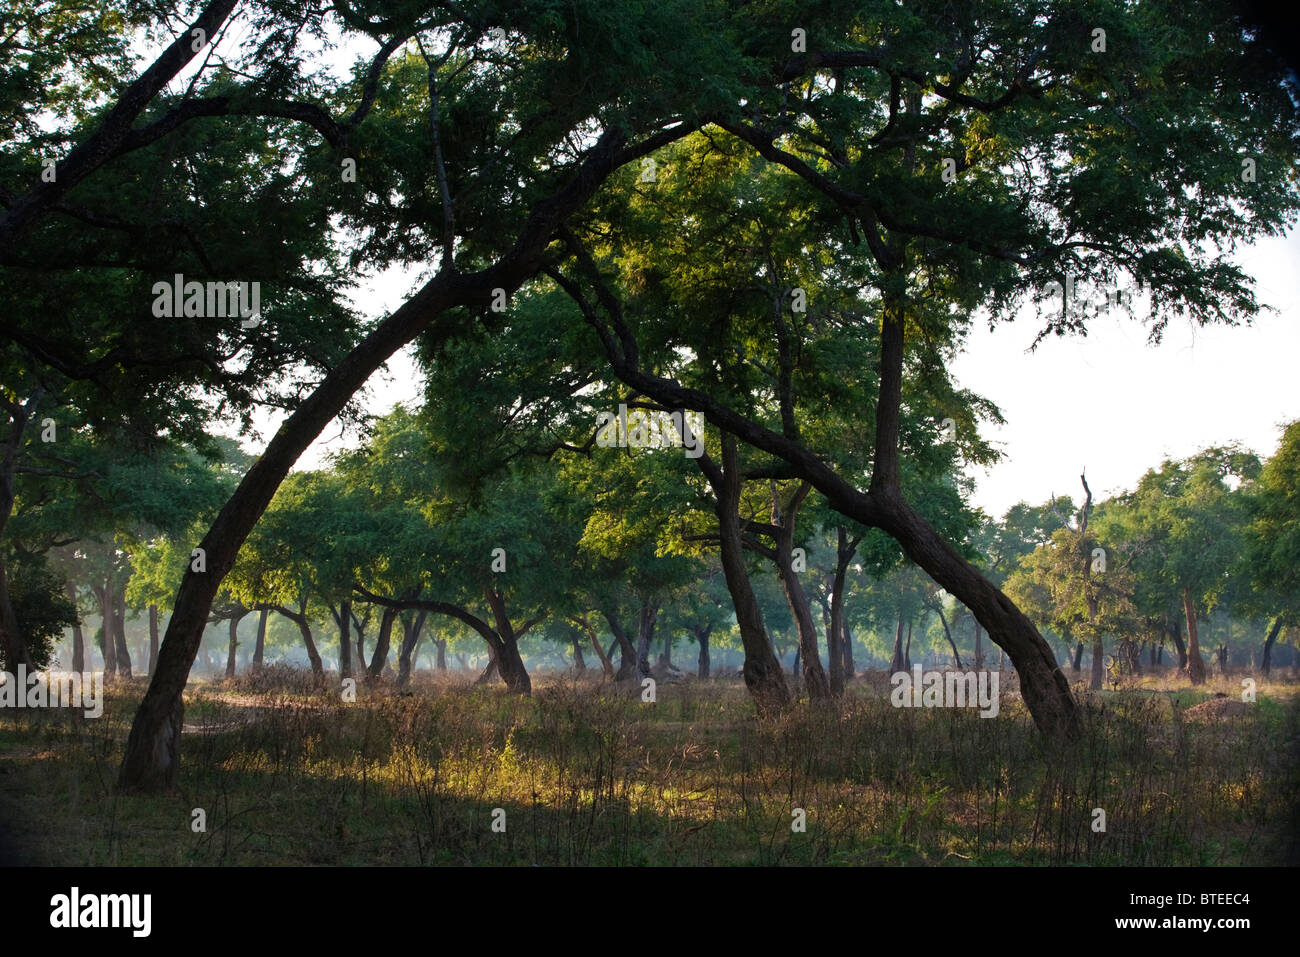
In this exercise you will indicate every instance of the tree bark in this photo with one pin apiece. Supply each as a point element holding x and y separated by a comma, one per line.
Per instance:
<point>153,638</point>
<point>702,639</point>
<point>440,655</point>
<point>1077,663</point>
<point>1098,665</point>
<point>1195,664</point>
<point>644,635</point>
<point>896,660</point>
<point>344,618</point>
<point>108,623</point>
<point>762,670</point>
<point>79,640</point>
<point>410,638</point>
<point>1176,632</point>
<point>579,664</point>
<point>943,620</point>
<point>259,649</point>
<point>606,666</point>
<point>1267,661</point>
<point>380,658</point>
<point>814,676</point>
<point>119,631</point>
<point>979,648</point>
<point>299,618</point>
<point>626,650</point>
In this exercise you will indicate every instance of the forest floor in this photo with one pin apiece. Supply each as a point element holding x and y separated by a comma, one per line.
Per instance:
<point>279,771</point>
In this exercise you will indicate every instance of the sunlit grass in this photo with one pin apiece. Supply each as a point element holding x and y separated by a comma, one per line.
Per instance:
<point>287,772</point>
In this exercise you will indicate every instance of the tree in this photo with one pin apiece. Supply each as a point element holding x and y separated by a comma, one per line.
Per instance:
<point>1272,539</point>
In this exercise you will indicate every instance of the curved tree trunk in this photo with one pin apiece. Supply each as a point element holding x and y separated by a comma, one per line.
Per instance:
<point>152,757</point>
<point>943,620</point>
<point>626,650</point>
<point>762,670</point>
<point>606,666</point>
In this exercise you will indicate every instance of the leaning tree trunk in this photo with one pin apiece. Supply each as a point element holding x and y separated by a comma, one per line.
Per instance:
<point>152,757</point>
<point>380,657</point>
<point>579,663</point>
<point>626,650</point>
<point>510,664</point>
<point>606,665</point>
<point>1195,663</point>
<point>814,676</point>
<point>763,675</point>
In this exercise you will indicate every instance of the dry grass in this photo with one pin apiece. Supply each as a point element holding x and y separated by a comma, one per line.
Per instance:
<point>286,772</point>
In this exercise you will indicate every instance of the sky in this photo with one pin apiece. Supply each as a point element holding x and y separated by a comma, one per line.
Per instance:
<point>1108,403</point>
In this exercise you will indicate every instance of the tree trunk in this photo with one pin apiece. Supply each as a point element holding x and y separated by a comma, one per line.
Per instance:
<point>606,666</point>
<point>702,639</point>
<point>626,650</point>
<point>380,658</point>
<point>344,618</point>
<point>509,662</point>
<point>850,667</point>
<point>1176,632</point>
<point>979,648</point>
<point>259,649</point>
<point>896,662</point>
<point>79,640</point>
<point>836,637</point>
<point>119,631</point>
<point>1098,665</point>
<point>440,658</point>
<point>579,663</point>
<point>1267,660</point>
<point>644,634</point>
<point>108,621</point>
<point>762,670</point>
<point>1077,664</point>
<point>907,653</point>
<point>1195,664</point>
<point>410,638</point>
<point>153,638</point>
<point>236,616</point>
<point>943,620</point>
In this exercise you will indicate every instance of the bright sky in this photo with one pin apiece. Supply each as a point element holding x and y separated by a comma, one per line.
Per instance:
<point>1108,402</point>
